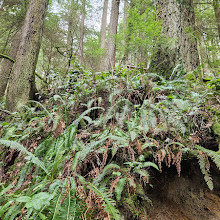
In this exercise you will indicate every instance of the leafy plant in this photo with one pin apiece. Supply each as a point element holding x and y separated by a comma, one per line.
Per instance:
<point>93,148</point>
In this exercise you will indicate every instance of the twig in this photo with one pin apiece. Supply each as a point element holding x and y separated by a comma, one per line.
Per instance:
<point>41,78</point>
<point>13,61</point>
<point>6,57</point>
<point>7,112</point>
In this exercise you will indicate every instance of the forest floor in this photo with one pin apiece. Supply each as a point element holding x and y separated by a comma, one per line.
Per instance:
<point>133,146</point>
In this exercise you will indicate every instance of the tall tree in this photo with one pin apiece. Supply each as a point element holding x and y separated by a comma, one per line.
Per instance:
<point>7,65</point>
<point>217,14</point>
<point>128,30</point>
<point>104,24</point>
<point>12,15</point>
<point>22,78</point>
<point>100,66</point>
<point>13,39</point>
<point>178,24</point>
<point>111,46</point>
<point>82,30</point>
<point>72,27</point>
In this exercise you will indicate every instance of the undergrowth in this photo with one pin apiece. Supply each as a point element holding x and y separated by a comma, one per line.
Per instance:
<point>89,147</point>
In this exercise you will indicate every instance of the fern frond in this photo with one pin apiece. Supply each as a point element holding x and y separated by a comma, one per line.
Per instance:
<point>15,145</point>
<point>102,193</point>
<point>212,154</point>
<point>106,171</point>
<point>119,188</point>
<point>58,199</point>
<point>6,189</point>
<point>205,171</point>
<point>12,212</point>
<point>157,76</point>
<point>76,122</point>
<point>150,164</point>
<point>84,150</point>
<point>89,104</point>
<point>47,112</point>
<point>143,173</point>
<point>5,207</point>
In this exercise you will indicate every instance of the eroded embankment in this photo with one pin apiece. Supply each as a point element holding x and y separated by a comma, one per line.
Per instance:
<point>186,197</point>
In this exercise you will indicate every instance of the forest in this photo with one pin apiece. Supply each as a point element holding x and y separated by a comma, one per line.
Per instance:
<point>110,109</point>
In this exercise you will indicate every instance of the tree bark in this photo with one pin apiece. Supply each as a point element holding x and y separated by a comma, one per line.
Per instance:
<point>111,46</point>
<point>101,65</point>
<point>128,30</point>
<point>21,82</point>
<point>217,14</point>
<point>104,24</point>
<point>7,64</point>
<point>8,39</point>
<point>71,29</point>
<point>82,28</point>
<point>2,5</point>
<point>69,46</point>
<point>178,22</point>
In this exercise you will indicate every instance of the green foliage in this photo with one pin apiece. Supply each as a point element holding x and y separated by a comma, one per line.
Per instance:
<point>140,33</point>
<point>100,141</point>
<point>212,154</point>
<point>19,147</point>
<point>102,193</point>
<point>92,142</point>
<point>93,52</point>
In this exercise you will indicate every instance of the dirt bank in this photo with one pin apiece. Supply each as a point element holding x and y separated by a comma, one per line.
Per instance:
<point>186,197</point>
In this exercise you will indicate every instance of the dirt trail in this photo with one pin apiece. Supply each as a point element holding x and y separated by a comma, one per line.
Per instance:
<point>186,197</point>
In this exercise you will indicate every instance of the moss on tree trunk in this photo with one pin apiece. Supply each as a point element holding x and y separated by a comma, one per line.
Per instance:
<point>217,14</point>
<point>7,64</point>
<point>22,77</point>
<point>111,46</point>
<point>178,22</point>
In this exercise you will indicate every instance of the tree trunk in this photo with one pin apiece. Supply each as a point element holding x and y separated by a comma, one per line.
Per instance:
<point>217,14</point>
<point>101,65</point>
<point>3,3</point>
<point>178,22</point>
<point>3,50</point>
<point>7,65</point>
<point>104,24</point>
<point>128,30</point>
<point>21,82</point>
<point>82,27</point>
<point>1,8</point>
<point>111,46</point>
<point>71,29</point>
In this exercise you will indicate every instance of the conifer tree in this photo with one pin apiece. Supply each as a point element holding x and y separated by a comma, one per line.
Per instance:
<point>20,87</point>
<point>7,64</point>
<point>111,46</point>
<point>217,14</point>
<point>178,22</point>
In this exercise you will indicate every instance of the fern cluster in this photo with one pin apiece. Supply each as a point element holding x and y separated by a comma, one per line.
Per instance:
<point>86,151</point>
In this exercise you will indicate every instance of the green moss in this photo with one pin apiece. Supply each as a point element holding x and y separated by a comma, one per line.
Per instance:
<point>216,128</point>
<point>138,202</point>
<point>130,203</point>
<point>140,190</point>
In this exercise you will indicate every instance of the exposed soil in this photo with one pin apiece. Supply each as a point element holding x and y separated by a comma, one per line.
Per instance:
<point>186,197</point>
